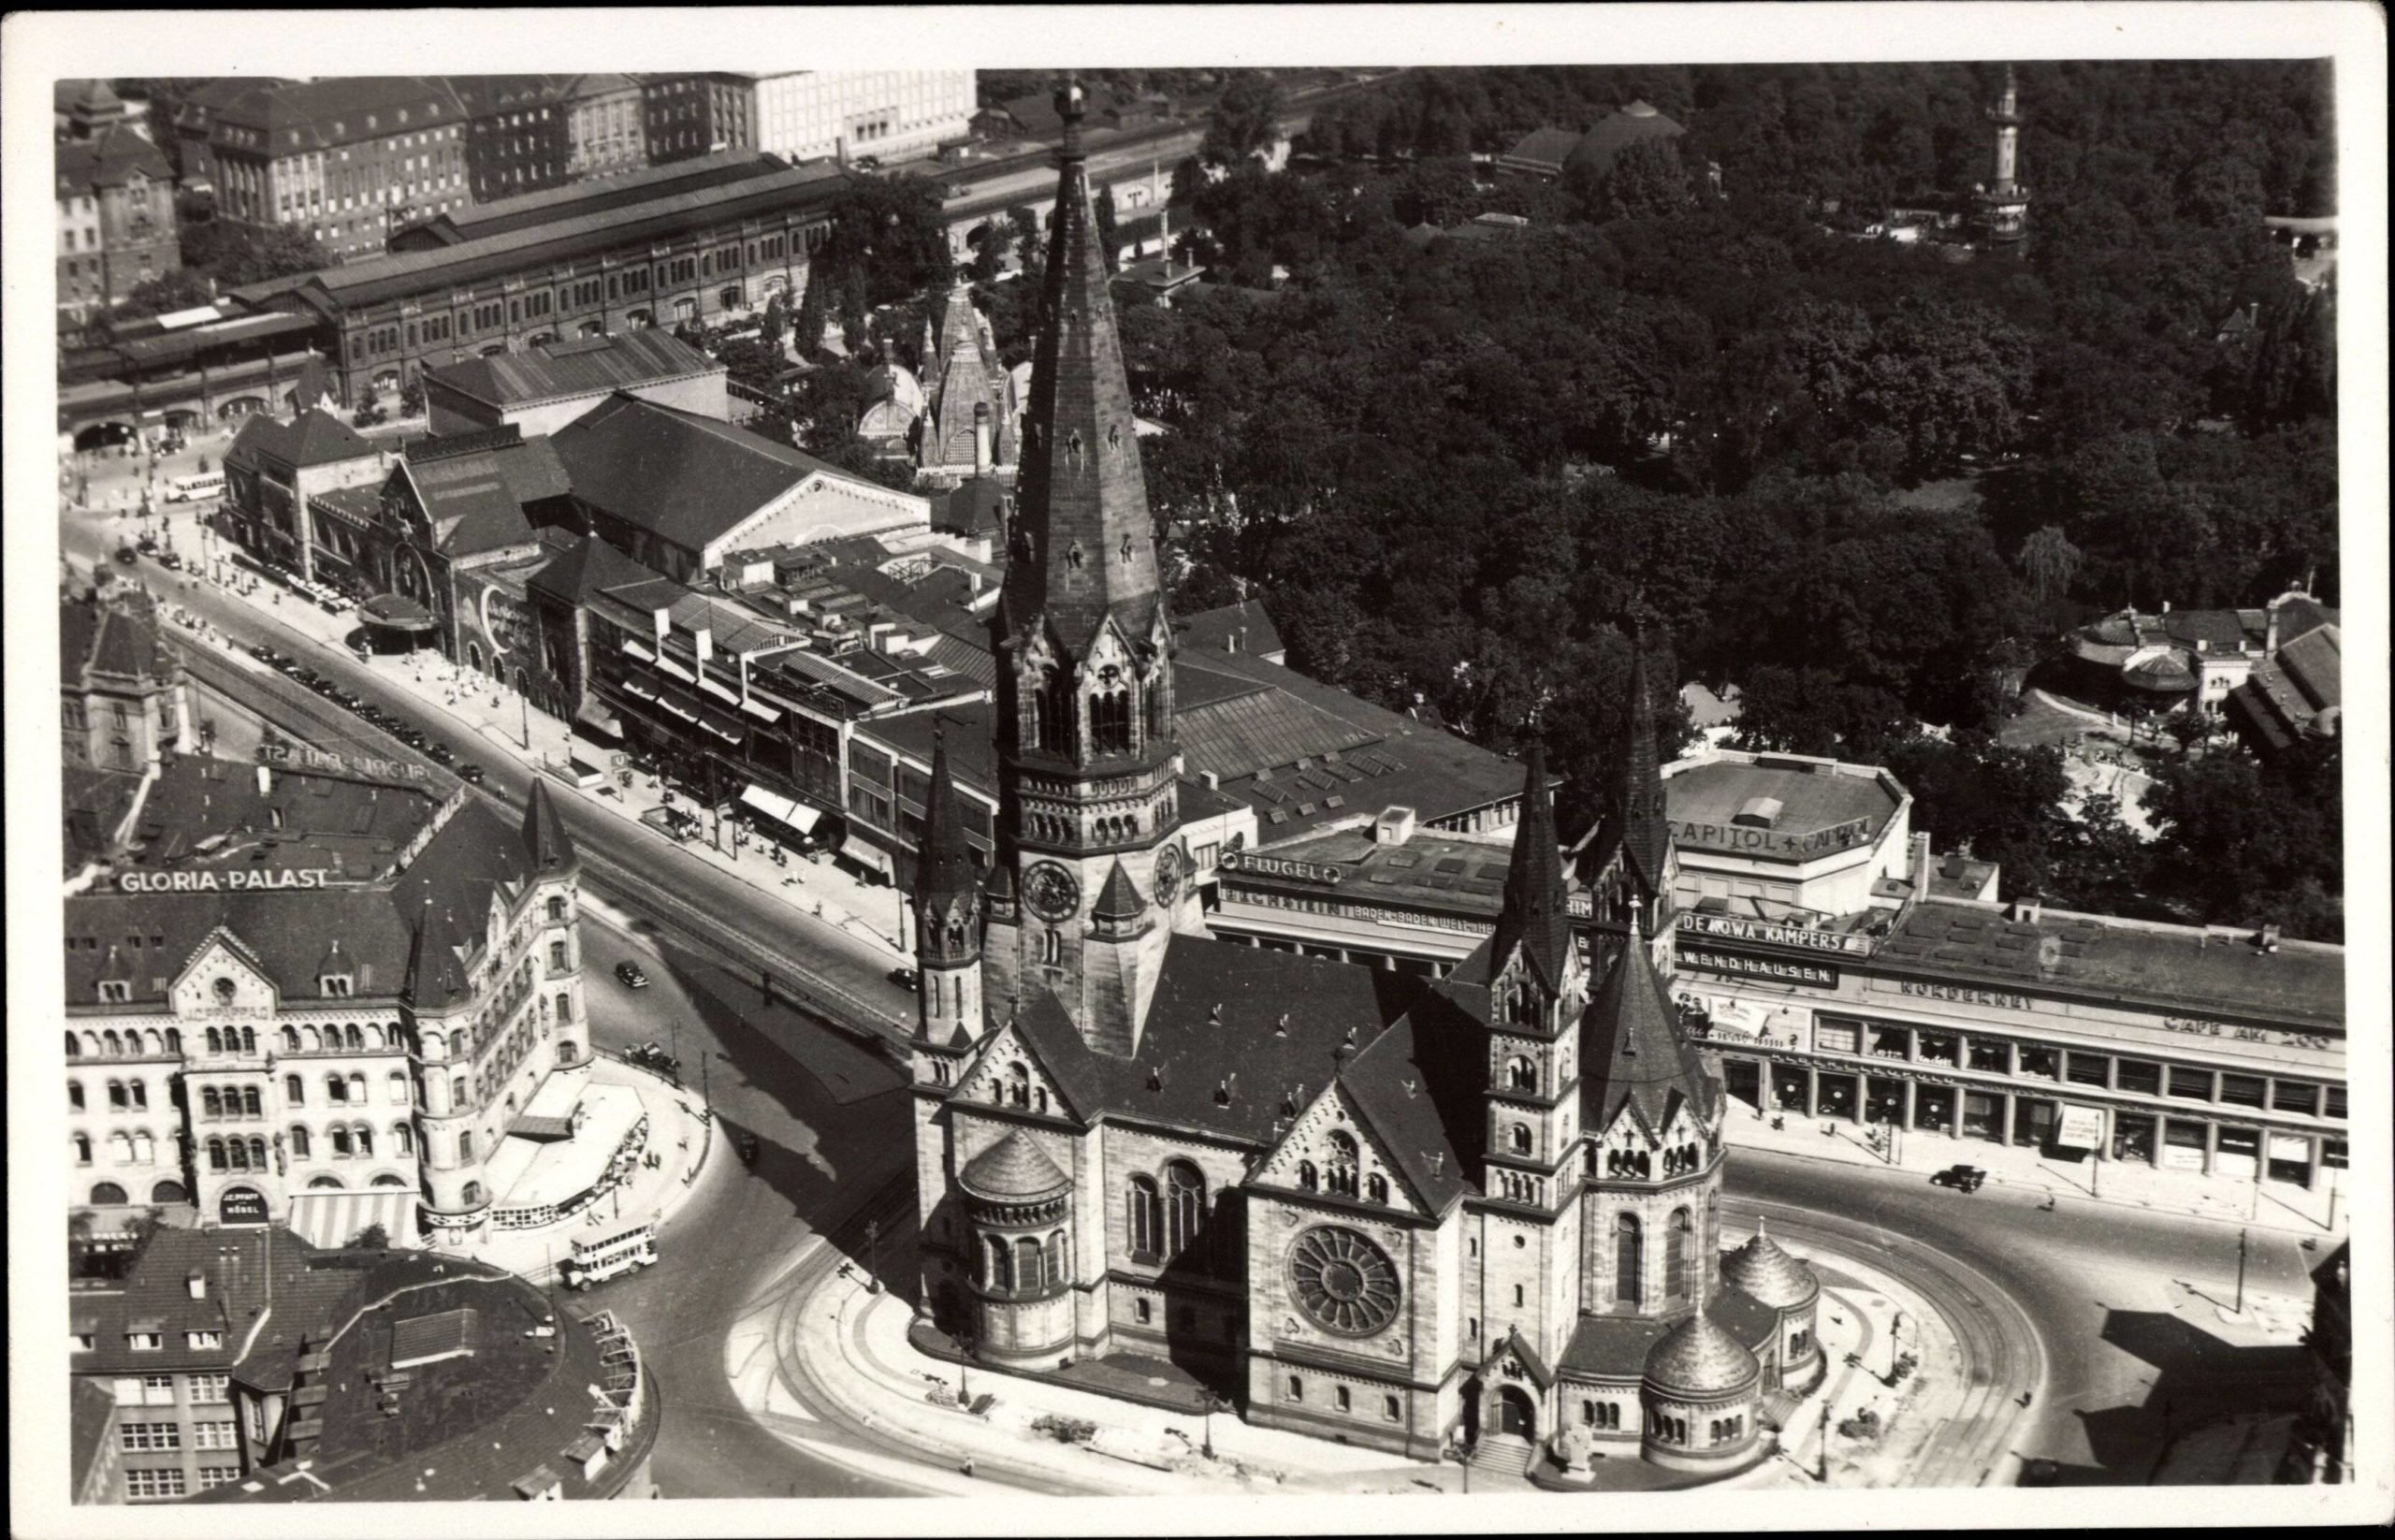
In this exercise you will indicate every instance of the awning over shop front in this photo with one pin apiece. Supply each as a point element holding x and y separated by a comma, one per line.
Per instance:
<point>592,714</point>
<point>872,857</point>
<point>760,710</point>
<point>334,1219</point>
<point>783,809</point>
<point>397,612</point>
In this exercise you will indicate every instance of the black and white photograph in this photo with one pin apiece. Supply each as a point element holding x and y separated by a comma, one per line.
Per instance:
<point>1378,769</point>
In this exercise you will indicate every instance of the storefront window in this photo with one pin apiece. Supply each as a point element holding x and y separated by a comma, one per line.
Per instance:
<point>2182,1145</point>
<point>2332,1154</point>
<point>2088,1068</point>
<point>1885,1101</point>
<point>1932,1107</point>
<point>2290,1096</point>
<point>1789,1087</point>
<point>1982,1115</point>
<point>2193,1084</point>
<point>2138,1075</point>
<point>1890,1042</point>
<point>1937,1048</point>
<point>2033,1122</point>
<point>2132,1137</point>
<point>1837,1096</point>
<point>2044,1063</point>
<point>1991,1055</point>
<point>2242,1090</point>
<point>2336,1101</point>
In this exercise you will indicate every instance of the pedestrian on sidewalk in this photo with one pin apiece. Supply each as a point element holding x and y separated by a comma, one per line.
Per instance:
<point>969,1466</point>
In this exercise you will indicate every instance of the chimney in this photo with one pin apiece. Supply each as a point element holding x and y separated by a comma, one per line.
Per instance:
<point>1921,863</point>
<point>1395,826</point>
<point>981,459</point>
<point>662,620</point>
<point>703,641</point>
<point>1213,780</point>
<point>2270,633</point>
<point>2027,910</point>
<point>265,781</point>
<point>841,150</point>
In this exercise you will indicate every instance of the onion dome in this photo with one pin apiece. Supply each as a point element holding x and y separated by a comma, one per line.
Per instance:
<point>1763,1270</point>
<point>1700,1358</point>
<point>1014,1170</point>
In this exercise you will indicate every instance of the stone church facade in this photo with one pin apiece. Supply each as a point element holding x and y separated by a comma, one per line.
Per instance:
<point>1363,1205</point>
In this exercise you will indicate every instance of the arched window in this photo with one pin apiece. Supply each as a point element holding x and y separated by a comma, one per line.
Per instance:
<point>357,1084</point>
<point>565,1009</point>
<point>398,1082</point>
<point>211,1101</point>
<point>1344,1160</point>
<point>403,1139</point>
<point>1146,1218</point>
<point>108,1193</point>
<point>1185,1207</point>
<point>82,1149</point>
<point>1627,1259</point>
<point>471,1194</point>
<point>1376,1188</point>
<point>1109,721</point>
<point>169,1191</point>
<point>995,1274</point>
<point>291,1039</point>
<point>1018,1084</point>
<point>145,1149</point>
<point>115,1044</point>
<point>1026,1264</point>
<point>365,1139</point>
<point>74,1046</point>
<point>298,1142</point>
<point>74,1095</point>
<point>1056,1263</point>
<point>250,1103</point>
<point>1521,1074</point>
<point>215,1041</point>
<point>119,1148</point>
<point>215,1154</point>
<point>174,1040</point>
<point>340,1135</point>
<point>249,1039</point>
<point>1521,1137</point>
<point>139,1092</point>
<point>1308,1178</point>
<point>465,1144</point>
<point>456,1045</point>
<point>1676,1259</point>
<point>457,1091</point>
<point>295,1091</point>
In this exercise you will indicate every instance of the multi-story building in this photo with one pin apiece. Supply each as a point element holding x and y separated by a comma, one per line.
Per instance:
<point>192,108</point>
<point>605,134</point>
<point>317,996</point>
<point>649,249</point>
<point>124,704</point>
<point>687,116</point>
<point>273,473</point>
<point>549,385</point>
<point>347,160</point>
<point>251,1366</point>
<point>116,218</point>
<point>518,139</point>
<point>890,114</point>
<point>84,109</point>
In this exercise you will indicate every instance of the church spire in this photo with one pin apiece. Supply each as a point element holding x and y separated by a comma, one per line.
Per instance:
<point>947,916</point>
<point>944,870</point>
<point>1646,838</point>
<point>1534,916</point>
<point>1084,544</point>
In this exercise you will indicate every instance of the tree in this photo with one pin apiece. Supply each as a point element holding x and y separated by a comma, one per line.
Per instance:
<point>888,234</point>
<point>813,308</point>
<point>1246,119</point>
<point>775,322</point>
<point>181,289</point>
<point>2050,561</point>
<point>412,397</point>
<point>1109,242</point>
<point>235,254</point>
<point>374,1237</point>
<point>1645,180</point>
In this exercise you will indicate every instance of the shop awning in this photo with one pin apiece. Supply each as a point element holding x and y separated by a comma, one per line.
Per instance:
<point>783,809</point>
<point>760,710</point>
<point>397,612</point>
<point>334,1218</point>
<point>592,714</point>
<point>2083,1128</point>
<point>730,697</point>
<point>668,666</point>
<point>639,650</point>
<point>857,849</point>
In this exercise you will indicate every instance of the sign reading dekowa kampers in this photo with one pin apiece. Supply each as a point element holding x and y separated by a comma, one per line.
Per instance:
<point>1730,928</point>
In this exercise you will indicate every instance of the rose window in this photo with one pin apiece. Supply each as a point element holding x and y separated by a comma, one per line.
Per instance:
<point>1343,1282</point>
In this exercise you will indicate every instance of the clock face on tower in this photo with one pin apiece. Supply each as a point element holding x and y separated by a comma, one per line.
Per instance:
<point>1167,876</point>
<point>1049,891</point>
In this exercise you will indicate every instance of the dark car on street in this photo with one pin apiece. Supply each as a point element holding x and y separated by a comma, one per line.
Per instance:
<point>745,1143</point>
<point>631,974</point>
<point>905,978</point>
<point>1963,1178</point>
<point>471,774</point>
<point>263,653</point>
<point>441,753</point>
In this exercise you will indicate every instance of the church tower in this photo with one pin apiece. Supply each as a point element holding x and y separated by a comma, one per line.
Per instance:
<point>2002,203</point>
<point>947,920</point>
<point>1538,984</point>
<point>1086,754</point>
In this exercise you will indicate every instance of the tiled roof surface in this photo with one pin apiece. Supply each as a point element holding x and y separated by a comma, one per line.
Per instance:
<point>338,110</point>
<point>1243,627</point>
<point>1543,147</point>
<point>1013,1168</point>
<point>1617,131</point>
<point>317,438</point>
<point>1700,1357</point>
<point>586,566</point>
<point>1763,1269</point>
<point>305,818</point>
<point>1619,1346</point>
<point>1632,1055</point>
<point>687,479</point>
<point>108,159</point>
<point>233,1263</point>
<point>525,209</point>
<point>2080,955</point>
<point>476,500</point>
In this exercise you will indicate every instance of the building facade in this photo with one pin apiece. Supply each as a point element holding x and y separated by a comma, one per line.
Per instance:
<point>347,160</point>
<point>125,703</point>
<point>340,1036</point>
<point>518,139</point>
<point>1483,1210</point>
<point>890,114</point>
<point>276,472</point>
<point>687,116</point>
<point>604,136</point>
<point>116,218</point>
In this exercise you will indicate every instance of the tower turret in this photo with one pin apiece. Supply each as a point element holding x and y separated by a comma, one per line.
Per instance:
<point>2002,203</point>
<point>948,918</point>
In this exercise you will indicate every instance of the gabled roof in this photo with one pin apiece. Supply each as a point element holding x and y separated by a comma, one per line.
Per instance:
<point>1632,1053</point>
<point>315,437</point>
<point>475,494</point>
<point>544,837</point>
<point>587,566</point>
<point>109,158</point>
<point>1240,627</point>
<point>687,479</point>
<point>582,366</point>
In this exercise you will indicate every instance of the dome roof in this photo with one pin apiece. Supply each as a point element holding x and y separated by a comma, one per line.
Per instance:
<point>1617,131</point>
<point>1700,1358</point>
<point>2167,670</point>
<point>1014,1170</point>
<point>1763,1270</point>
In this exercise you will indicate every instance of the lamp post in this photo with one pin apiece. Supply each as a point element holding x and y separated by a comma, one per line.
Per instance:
<point>2241,1270</point>
<point>1213,1403</point>
<point>1462,1453</point>
<point>963,1339</point>
<point>1824,1473</point>
<point>873,1256</point>
<point>1895,1348</point>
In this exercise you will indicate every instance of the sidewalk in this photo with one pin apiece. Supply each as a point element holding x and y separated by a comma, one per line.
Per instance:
<point>681,1133</point>
<point>487,720</point>
<point>2222,1199</point>
<point>856,1345</point>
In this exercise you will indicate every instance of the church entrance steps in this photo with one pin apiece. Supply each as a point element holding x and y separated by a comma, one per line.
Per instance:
<point>1779,1406</point>
<point>1502,1455</point>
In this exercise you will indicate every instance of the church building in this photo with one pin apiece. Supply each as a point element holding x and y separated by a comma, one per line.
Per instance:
<point>1405,1213</point>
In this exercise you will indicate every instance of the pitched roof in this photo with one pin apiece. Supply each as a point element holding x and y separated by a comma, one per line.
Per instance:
<point>1632,1053</point>
<point>1013,1168</point>
<point>1243,627</point>
<point>946,868</point>
<point>1543,148</point>
<point>475,493</point>
<point>687,479</point>
<point>315,437</point>
<point>546,842</point>
<point>298,117</point>
<point>1701,1356</point>
<point>583,366</point>
<point>1534,916</point>
<point>1119,898</point>
<point>1763,1269</point>
<point>1089,550</point>
<point>109,158</point>
<point>586,566</point>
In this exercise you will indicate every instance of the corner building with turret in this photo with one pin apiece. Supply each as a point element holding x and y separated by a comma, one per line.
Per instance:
<point>1360,1203</point>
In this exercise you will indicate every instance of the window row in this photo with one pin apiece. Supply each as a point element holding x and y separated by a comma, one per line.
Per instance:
<point>124,1095</point>
<point>1343,1399</point>
<point>1162,1223</point>
<point>1024,1266</point>
<point>346,1140</point>
<point>113,1044</point>
<point>1342,1172</point>
<point>134,1148</point>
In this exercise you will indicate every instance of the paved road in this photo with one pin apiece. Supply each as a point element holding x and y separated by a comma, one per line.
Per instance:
<point>2101,1361</point>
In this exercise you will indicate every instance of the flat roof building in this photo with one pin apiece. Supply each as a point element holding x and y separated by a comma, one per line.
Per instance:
<point>549,385</point>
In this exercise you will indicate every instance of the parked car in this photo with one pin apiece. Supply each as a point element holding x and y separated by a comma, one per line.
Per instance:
<point>1966,1179</point>
<point>471,774</point>
<point>745,1143</point>
<point>441,753</point>
<point>630,972</point>
<point>263,653</point>
<point>905,978</point>
<point>124,554</point>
